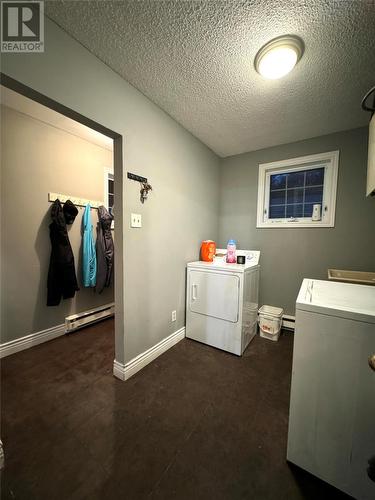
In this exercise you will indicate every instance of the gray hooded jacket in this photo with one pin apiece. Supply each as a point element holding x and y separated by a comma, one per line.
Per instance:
<point>105,250</point>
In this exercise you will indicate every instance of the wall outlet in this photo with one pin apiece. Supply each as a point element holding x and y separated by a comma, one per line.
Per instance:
<point>174,315</point>
<point>135,220</point>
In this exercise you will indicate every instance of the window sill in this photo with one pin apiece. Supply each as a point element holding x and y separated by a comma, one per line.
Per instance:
<point>281,225</point>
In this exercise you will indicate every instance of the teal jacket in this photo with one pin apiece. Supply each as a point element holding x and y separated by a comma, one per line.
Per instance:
<point>88,250</point>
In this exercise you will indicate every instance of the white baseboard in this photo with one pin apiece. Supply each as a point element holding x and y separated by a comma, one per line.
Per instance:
<point>31,340</point>
<point>127,370</point>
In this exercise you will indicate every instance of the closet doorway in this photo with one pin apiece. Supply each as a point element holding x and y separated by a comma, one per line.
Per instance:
<point>50,153</point>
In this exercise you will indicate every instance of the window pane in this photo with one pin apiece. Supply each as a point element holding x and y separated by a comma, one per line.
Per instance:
<point>111,186</point>
<point>315,177</point>
<point>314,194</point>
<point>295,179</point>
<point>294,210</point>
<point>295,195</point>
<point>278,181</point>
<point>308,209</point>
<point>111,200</point>
<point>277,212</point>
<point>277,197</point>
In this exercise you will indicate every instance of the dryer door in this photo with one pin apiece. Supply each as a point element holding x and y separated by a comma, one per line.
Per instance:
<point>214,294</point>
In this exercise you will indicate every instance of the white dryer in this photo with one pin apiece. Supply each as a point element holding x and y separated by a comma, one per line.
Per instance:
<point>222,301</point>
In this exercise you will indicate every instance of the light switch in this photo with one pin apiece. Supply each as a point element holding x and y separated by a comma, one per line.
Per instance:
<point>135,220</point>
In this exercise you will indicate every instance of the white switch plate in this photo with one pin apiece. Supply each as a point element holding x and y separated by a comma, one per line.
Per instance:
<point>135,220</point>
<point>174,315</point>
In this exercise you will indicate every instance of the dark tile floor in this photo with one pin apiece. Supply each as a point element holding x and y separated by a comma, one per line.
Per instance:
<point>197,423</point>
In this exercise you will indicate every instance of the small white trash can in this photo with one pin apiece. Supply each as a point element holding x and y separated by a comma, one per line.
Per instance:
<point>270,319</point>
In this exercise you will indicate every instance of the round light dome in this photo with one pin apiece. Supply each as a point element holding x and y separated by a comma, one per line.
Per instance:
<point>278,57</point>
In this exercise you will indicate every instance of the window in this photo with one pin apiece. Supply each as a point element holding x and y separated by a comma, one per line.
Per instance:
<point>289,189</point>
<point>109,191</point>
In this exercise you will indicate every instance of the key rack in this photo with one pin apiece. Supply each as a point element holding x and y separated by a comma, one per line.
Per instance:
<point>135,177</point>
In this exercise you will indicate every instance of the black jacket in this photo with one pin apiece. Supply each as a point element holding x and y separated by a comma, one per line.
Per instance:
<point>62,280</point>
<point>104,249</point>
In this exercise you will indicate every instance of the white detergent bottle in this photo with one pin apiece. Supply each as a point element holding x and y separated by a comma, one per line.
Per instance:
<point>231,252</point>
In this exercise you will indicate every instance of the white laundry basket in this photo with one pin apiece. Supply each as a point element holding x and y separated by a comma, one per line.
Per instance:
<point>270,319</point>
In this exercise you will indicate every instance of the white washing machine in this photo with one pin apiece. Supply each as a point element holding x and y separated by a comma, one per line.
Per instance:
<point>222,301</point>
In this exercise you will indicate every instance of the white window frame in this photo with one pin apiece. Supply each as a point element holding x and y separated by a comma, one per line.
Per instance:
<point>107,171</point>
<point>330,162</point>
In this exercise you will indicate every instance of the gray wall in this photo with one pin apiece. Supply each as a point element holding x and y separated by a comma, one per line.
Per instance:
<point>183,206</point>
<point>289,255</point>
<point>37,158</point>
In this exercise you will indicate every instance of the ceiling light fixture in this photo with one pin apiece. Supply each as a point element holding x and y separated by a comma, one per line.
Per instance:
<point>279,56</point>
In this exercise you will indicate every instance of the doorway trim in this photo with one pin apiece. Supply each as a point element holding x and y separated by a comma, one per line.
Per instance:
<point>36,96</point>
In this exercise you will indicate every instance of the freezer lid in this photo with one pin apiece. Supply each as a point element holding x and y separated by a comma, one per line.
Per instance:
<point>346,300</point>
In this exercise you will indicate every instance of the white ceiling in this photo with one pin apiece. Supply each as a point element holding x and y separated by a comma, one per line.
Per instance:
<point>39,112</point>
<point>195,60</point>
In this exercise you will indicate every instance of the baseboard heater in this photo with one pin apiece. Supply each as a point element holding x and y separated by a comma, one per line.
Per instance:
<point>76,321</point>
<point>288,322</point>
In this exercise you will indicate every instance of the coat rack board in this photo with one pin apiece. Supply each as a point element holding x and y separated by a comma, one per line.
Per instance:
<point>80,202</point>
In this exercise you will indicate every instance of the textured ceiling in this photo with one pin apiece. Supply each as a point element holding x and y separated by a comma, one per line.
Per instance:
<point>195,60</point>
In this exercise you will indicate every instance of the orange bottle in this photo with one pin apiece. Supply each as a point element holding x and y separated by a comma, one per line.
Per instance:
<point>208,250</point>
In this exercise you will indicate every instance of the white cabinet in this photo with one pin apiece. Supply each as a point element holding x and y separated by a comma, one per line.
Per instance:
<point>332,408</point>
<point>371,158</point>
